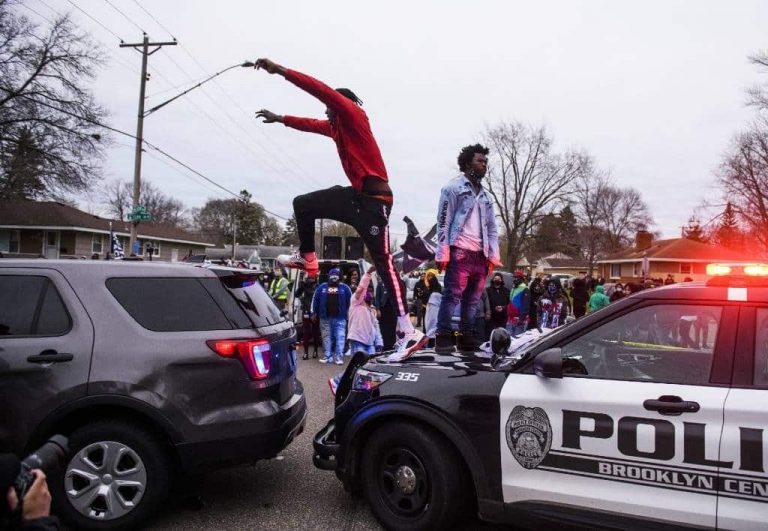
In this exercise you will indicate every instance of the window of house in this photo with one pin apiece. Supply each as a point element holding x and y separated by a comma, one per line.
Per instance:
<point>615,270</point>
<point>636,269</point>
<point>13,242</point>
<point>96,243</point>
<point>686,268</point>
<point>150,247</point>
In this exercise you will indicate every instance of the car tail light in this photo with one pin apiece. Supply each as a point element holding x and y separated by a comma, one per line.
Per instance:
<point>254,354</point>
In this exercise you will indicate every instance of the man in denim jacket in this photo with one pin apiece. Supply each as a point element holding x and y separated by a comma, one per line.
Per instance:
<point>467,247</point>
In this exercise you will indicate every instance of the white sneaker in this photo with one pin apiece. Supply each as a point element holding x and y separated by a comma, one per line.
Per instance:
<point>339,362</point>
<point>323,360</point>
<point>407,345</point>
<point>296,261</point>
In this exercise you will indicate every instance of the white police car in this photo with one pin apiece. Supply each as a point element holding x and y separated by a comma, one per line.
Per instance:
<point>651,412</point>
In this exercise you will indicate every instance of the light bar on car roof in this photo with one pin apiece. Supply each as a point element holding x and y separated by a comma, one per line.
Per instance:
<point>750,270</point>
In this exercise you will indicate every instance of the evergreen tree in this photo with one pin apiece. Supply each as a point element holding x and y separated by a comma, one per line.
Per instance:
<point>728,234</point>
<point>693,231</point>
<point>568,232</point>
<point>290,232</point>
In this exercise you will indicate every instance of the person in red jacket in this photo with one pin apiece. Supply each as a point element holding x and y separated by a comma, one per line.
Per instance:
<point>365,205</point>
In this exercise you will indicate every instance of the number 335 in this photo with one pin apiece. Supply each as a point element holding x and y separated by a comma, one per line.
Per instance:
<point>407,376</point>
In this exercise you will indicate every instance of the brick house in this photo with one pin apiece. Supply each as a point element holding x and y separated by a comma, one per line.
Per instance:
<point>679,257</point>
<point>55,230</point>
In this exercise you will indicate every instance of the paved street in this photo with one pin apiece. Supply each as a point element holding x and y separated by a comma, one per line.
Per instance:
<point>283,493</point>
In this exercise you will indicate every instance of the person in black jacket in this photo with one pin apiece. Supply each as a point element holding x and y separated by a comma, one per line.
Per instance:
<point>310,331</point>
<point>498,297</point>
<point>580,296</point>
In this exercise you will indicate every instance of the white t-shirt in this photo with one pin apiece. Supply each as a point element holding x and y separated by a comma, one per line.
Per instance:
<point>471,236</point>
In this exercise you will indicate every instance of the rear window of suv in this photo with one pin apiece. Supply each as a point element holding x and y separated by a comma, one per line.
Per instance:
<point>179,304</point>
<point>251,297</point>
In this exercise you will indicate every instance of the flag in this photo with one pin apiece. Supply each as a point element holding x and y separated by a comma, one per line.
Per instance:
<point>417,249</point>
<point>115,249</point>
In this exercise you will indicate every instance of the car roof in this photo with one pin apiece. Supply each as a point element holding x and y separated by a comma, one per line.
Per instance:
<point>737,292</point>
<point>109,268</point>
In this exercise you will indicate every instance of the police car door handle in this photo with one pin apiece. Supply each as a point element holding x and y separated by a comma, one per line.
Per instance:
<point>49,356</point>
<point>670,405</point>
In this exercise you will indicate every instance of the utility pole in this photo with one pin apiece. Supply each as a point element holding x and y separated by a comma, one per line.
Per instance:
<point>234,232</point>
<point>145,53</point>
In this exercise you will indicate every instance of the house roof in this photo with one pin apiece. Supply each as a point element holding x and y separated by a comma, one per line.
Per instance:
<point>564,263</point>
<point>679,249</point>
<point>16,213</point>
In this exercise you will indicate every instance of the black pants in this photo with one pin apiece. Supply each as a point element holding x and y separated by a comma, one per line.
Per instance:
<point>368,216</point>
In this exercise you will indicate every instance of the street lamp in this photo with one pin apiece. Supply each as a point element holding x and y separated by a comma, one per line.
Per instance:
<point>138,214</point>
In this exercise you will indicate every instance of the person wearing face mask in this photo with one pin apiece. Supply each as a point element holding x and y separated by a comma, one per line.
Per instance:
<point>278,289</point>
<point>330,305</point>
<point>498,297</point>
<point>366,205</point>
<point>618,292</point>
<point>467,247</point>
<point>310,331</point>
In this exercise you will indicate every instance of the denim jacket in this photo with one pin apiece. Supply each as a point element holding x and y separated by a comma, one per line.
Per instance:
<point>456,199</point>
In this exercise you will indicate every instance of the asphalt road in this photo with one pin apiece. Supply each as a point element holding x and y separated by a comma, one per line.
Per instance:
<point>283,493</point>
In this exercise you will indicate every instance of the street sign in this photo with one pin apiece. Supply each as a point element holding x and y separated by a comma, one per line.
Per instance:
<point>139,213</point>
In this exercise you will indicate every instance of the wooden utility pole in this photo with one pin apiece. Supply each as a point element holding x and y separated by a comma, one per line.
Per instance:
<point>136,216</point>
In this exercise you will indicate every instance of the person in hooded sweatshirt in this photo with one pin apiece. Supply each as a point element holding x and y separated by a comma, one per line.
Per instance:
<point>580,296</point>
<point>598,299</point>
<point>498,297</point>
<point>519,306</point>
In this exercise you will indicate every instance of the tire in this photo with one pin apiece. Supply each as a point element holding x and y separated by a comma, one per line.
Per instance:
<point>431,493</point>
<point>124,456</point>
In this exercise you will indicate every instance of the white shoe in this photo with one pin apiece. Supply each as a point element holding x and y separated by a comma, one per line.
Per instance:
<point>323,360</point>
<point>339,362</point>
<point>407,345</point>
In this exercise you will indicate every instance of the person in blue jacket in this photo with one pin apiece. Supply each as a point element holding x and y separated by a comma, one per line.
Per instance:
<point>330,305</point>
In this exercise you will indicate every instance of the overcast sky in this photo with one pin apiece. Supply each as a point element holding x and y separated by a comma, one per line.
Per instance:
<point>653,89</point>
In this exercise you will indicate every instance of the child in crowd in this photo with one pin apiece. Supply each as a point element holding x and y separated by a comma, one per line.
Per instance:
<point>364,333</point>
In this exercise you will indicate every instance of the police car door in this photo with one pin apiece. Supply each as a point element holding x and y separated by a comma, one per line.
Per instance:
<point>634,425</point>
<point>743,498</point>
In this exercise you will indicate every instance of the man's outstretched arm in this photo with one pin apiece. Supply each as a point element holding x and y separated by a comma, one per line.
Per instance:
<point>318,89</point>
<point>310,125</point>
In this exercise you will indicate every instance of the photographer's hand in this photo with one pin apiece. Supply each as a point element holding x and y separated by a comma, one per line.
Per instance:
<point>37,500</point>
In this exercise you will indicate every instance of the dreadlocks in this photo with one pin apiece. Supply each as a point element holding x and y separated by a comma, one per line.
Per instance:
<point>350,95</point>
<point>468,153</point>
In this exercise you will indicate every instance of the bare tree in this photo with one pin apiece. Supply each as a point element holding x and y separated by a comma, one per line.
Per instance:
<point>623,212</point>
<point>744,178</point>
<point>758,95</point>
<point>587,197</point>
<point>49,144</point>
<point>526,179</point>
<point>163,209</point>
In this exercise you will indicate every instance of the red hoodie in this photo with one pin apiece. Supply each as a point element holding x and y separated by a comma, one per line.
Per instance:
<point>358,151</point>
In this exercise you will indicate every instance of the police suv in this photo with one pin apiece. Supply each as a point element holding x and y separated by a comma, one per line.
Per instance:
<point>651,412</point>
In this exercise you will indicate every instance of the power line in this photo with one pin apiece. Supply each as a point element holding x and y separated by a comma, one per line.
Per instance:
<point>126,17</point>
<point>297,169</point>
<point>151,145</point>
<point>153,18</point>
<point>95,20</point>
<point>37,13</point>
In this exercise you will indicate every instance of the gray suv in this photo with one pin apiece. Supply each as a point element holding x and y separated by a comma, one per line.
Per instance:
<point>151,369</point>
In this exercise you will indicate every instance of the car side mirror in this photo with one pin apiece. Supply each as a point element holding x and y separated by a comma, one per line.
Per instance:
<point>549,364</point>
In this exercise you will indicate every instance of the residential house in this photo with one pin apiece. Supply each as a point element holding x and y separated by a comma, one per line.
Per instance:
<point>680,257</point>
<point>560,264</point>
<point>54,230</point>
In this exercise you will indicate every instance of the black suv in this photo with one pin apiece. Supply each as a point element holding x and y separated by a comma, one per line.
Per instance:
<point>150,369</point>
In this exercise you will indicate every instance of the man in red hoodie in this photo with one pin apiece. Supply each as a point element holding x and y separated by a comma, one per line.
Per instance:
<point>365,205</point>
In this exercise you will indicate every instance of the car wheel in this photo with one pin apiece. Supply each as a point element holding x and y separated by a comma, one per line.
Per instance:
<point>116,475</point>
<point>412,478</point>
